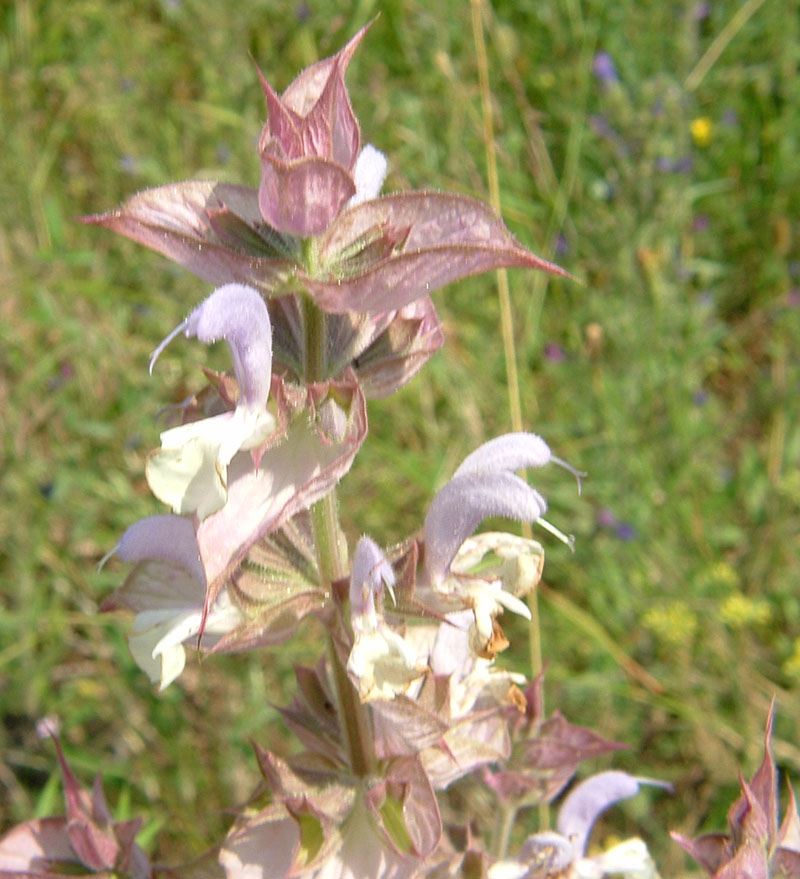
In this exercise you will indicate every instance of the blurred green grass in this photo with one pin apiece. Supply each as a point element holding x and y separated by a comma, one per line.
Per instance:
<point>671,376</point>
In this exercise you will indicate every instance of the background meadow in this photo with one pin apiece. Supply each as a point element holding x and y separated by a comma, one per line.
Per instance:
<point>650,148</point>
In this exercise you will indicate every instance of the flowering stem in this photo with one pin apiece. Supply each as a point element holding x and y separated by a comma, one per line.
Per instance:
<point>331,550</point>
<point>314,323</point>
<point>353,719</point>
<point>332,560</point>
<point>331,553</point>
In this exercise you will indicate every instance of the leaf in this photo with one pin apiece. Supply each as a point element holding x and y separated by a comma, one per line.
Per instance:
<point>468,745</point>
<point>277,585</point>
<point>560,745</point>
<point>210,228</point>
<point>401,350</point>
<point>290,477</point>
<point>302,197</point>
<point>764,785</point>
<point>710,851</point>
<point>420,809</point>
<point>449,237</point>
<point>404,727</point>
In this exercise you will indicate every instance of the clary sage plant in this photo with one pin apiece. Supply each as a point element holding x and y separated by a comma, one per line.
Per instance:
<point>322,292</point>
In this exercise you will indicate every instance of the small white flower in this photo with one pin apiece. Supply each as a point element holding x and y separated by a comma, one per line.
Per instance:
<point>486,485</point>
<point>630,860</point>
<point>382,663</point>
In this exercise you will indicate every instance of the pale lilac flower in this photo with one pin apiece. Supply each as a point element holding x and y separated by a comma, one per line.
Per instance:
<point>563,852</point>
<point>167,591</point>
<point>604,68</point>
<point>190,470</point>
<point>484,485</point>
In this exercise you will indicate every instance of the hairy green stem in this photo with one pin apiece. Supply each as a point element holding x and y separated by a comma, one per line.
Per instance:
<point>314,324</point>
<point>331,550</point>
<point>353,719</point>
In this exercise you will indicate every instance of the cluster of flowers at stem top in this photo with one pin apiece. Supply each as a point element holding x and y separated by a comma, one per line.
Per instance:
<point>322,294</point>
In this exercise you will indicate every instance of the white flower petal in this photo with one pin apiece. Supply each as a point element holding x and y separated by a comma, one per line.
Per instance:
<point>161,669</point>
<point>507,870</point>
<point>382,664</point>
<point>511,602</point>
<point>159,634</point>
<point>189,472</point>
<point>368,174</point>
<point>630,859</point>
<point>149,619</point>
<point>188,478</point>
<point>181,627</point>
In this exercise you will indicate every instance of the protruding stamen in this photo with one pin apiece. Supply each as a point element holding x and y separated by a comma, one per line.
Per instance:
<point>578,474</point>
<point>568,539</point>
<point>106,557</point>
<point>157,353</point>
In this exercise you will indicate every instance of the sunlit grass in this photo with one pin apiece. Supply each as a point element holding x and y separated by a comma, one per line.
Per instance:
<point>671,375</point>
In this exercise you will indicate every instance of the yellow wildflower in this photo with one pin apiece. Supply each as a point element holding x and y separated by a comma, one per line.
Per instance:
<point>740,610</point>
<point>702,130</point>
<point>673,623</point>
